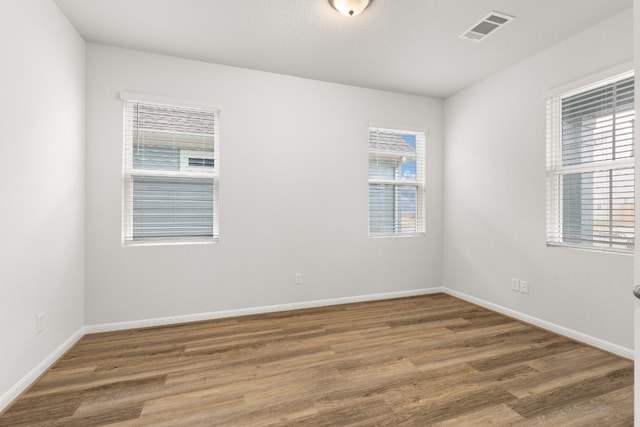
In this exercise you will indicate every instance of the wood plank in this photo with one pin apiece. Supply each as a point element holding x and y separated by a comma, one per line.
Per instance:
<point>571,394</point>
<point>427,360</point>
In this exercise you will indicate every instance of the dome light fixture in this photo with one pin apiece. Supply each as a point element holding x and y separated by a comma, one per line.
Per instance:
<point>349,7</point>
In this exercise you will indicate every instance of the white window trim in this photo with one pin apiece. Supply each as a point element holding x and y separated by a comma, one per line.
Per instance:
<point>128,174</point>
<point>419,182</point>
<point>168,100</point>
<point>554,171</point>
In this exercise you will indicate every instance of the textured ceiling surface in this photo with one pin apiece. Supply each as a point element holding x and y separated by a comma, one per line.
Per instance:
<point>409,46</point>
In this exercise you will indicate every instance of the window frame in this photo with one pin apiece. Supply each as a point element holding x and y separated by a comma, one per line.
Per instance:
<point>419,183</point>
<point>185,171</point>
<point>555,233</point>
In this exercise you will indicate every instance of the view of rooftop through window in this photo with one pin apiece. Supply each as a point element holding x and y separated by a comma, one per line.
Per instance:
<point>395,181</point>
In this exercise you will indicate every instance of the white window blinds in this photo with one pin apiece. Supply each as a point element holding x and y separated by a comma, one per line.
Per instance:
<point>171,167</point>
<point>590,167</point>
<point>396,182</point>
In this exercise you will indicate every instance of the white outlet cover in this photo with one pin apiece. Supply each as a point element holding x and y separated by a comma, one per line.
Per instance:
<point>524,286</point>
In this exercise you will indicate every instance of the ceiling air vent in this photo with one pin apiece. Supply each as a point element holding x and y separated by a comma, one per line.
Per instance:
<point>487,25</point>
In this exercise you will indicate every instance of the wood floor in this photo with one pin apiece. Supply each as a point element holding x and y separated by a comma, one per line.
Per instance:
<point>420,361</point>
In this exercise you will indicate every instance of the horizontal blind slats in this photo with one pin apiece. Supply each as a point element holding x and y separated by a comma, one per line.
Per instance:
<point>593,132</point>
<point>171,168</point>
<point>396,181</point>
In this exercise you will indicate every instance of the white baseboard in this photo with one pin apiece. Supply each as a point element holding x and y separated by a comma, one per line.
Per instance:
<point>28,379</point>
<point>570,333</point>
<point>108,327</point>
<point>7,398</point>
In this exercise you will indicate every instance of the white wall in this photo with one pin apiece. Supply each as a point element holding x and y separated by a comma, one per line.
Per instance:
<point>293,193</point>
<point>41,185</point>
<point>494,205</point>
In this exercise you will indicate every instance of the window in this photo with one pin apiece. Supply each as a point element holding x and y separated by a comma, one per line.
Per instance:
<point>171,167</point>
<point>590,170</point>
<point>195,160</point>
<point>396,182</point>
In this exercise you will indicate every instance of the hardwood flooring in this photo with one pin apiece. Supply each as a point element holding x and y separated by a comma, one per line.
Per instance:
<point>420,361</point>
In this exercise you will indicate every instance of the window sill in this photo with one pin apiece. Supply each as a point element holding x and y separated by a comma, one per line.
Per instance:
<point>608,251</point>
<point>396,235</point>
<point>169,243</point>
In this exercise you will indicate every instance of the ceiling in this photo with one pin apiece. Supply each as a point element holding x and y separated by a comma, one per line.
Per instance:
<point>409,46</point>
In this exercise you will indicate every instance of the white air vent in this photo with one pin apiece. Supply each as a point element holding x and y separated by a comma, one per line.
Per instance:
<point>486,26</point>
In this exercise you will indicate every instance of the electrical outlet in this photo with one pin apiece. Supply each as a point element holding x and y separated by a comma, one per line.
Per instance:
<point>515,285</point>
<point>524,287</point>
<point>40,322</point>
<point>298,278</point>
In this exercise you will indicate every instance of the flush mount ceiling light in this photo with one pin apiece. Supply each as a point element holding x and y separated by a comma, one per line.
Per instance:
<point>349,7</point>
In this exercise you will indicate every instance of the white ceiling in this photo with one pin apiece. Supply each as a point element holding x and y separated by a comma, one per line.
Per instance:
<point>409,46</point>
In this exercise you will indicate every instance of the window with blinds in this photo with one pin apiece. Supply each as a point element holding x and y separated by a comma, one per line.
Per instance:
<point>590,166</point>
<point>171,167</point>
<point>396,182</point>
